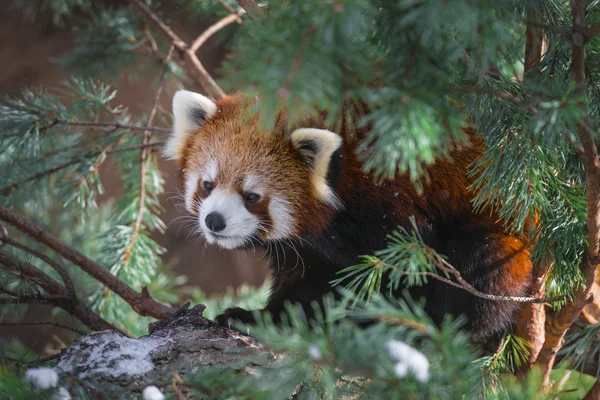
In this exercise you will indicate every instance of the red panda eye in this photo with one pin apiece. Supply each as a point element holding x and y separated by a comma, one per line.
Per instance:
<point>252,198</point>
<point>208,186</point>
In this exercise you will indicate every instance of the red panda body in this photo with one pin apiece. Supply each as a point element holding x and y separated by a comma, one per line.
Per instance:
<point>309,194</point>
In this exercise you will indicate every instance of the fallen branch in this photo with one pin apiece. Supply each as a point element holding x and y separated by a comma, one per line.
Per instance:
<point>142,303</point>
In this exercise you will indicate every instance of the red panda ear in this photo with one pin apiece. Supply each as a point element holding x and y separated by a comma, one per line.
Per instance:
<point>317,147</point>
<point>190,111</point>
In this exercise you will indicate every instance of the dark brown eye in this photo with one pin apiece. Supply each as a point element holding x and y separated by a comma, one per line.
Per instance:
<point>252,198</point>
<point>208,186</point>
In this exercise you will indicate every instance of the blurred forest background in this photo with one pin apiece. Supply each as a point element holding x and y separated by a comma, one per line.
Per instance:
<point>27,50</point>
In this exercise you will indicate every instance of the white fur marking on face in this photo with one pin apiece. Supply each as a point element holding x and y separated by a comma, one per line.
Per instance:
<point>241,225</point>
<point>281,215</point>
<point>210,171</point>
<point>327,143</point>
<point>191,186</point>
<point>252,184</point>
<point>185,105</point>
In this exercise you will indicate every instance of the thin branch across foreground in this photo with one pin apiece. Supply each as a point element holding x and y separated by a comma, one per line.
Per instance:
<point>461,283</point>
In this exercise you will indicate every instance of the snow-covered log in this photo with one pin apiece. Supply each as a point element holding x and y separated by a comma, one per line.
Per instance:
<point>181,344</point>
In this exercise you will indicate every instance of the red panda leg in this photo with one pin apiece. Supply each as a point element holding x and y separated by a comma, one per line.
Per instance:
<point>299,275</point>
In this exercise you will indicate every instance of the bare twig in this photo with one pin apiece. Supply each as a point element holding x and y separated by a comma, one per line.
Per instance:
<point>196,69</point>
<point>559,323</point>
<point>162,27</point>
<point>214,28</point>
<point>136,147</point>
<point>142,304</point>
<point>144,159</point>
<point>5,191</point>
<point>230,9</point>
<point>251,8</point>
<point>116,125</point>
<point>20,323</point>
<point>446,266</point>
<point>496,93</point>
<point>462,284</point>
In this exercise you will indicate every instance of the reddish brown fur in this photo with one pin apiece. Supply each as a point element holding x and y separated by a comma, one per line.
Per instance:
<point>479,247</point>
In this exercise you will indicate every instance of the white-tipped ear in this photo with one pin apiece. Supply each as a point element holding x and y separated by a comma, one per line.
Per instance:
<point>318,147</point>
<point>190,111</point>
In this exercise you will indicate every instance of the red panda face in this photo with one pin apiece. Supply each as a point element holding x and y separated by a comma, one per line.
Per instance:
<point>244,183</point>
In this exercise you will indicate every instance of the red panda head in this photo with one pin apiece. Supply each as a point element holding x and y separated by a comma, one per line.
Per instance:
<point>244,182</point>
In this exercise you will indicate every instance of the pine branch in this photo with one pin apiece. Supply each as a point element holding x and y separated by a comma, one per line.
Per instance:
<point>558,325</point>
<point>57,296</point>
<point>142,303</point>
<point>496,93</point>
<point>100,160</point>
<point>62,272</point>
<point>15,185</point>
<point>144,158</point>
<point>195,67</point>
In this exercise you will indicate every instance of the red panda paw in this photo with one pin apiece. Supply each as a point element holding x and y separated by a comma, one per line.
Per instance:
<point>230,315</point>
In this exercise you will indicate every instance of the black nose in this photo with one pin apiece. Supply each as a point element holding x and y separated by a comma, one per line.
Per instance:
<point>215,222</point>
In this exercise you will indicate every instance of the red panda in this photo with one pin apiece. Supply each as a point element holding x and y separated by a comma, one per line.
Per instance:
<point>306,193</point>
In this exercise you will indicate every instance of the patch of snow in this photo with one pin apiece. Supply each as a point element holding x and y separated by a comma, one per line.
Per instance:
<point>61,394</point>
<point>315,352</point>
<point>111,353</point>
<point>408,359</point>
<point>152,393</point>
<point>42,378</point>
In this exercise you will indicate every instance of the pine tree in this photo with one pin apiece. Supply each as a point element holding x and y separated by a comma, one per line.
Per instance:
<point>524,74</point>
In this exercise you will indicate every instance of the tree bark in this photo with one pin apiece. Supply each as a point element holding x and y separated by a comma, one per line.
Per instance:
<point>180,345</point>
